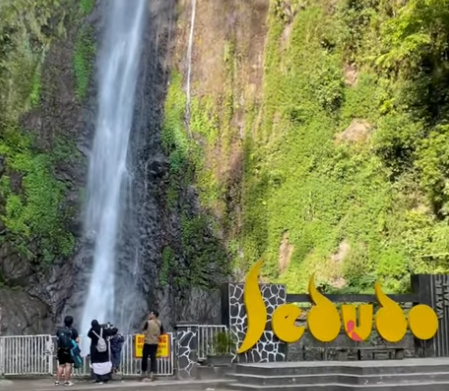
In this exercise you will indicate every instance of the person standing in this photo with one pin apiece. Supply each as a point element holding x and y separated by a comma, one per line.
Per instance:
<point>117,341</point>
<point>65,335</point>
<point>100,352</point>
<point>152,331</point>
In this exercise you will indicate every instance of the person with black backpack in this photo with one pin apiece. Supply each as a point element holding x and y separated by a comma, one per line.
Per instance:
<point>67,338</point>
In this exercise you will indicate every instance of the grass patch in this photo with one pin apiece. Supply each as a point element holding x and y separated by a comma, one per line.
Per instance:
<point>87,6</point>
<point>83,61</point>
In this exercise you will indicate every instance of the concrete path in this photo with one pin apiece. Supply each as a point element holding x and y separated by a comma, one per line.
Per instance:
<point>125,385</point>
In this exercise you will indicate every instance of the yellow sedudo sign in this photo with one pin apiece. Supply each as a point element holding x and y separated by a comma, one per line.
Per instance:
<point>324,321</point>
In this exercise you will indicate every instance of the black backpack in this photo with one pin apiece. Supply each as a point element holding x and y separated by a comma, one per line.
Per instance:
<point>64,335</point>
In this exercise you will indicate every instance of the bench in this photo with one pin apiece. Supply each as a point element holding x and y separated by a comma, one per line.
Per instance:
<point>398,352</point>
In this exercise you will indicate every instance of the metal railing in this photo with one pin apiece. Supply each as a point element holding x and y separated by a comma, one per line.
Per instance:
<point>36,355</point>
<point>207,334</point>
<point>26,355</point>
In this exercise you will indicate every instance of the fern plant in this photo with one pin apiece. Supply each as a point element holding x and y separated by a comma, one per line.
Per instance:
<point>223,344</point>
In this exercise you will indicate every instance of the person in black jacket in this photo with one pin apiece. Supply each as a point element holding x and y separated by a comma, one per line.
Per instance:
<point>101,361</point>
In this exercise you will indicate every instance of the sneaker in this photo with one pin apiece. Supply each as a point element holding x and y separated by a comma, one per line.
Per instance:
<point>68,384</point>
<point>56,383</point>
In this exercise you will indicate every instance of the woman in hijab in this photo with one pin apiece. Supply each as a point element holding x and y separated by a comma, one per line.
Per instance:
<point>100,360</point>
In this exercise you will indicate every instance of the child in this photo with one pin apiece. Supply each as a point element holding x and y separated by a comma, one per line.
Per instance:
<point>117,340</point>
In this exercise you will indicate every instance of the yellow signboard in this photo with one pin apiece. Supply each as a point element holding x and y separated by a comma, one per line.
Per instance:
<point>163,349</point>
<point>324,321</point>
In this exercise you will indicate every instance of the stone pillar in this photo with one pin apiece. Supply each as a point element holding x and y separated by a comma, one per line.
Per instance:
<point>186,351</point>
<point>269,348</point>
<point>433,290</point>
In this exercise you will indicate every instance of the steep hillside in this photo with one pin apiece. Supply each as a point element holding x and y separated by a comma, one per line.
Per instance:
<point>330,157</point>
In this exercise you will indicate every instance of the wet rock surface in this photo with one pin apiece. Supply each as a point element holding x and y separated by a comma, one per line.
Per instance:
<point>23,314</point>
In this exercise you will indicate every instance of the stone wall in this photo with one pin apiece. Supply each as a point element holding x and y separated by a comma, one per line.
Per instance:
<point>269,348</point>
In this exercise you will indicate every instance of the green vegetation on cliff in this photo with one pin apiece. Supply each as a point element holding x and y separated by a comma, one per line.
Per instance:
<point>83,60</point>
<point>345,154</point>
<point>202,252</point>
<point>346,175</point>
<point>33,212</point>
<point>32,207</point>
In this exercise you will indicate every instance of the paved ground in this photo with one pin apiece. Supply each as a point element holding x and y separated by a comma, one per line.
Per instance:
<point>359,364</point>
<point>126,385</point>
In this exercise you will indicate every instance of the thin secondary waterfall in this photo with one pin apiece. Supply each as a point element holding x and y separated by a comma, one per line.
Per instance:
<point>118,66</point>
<point>189,64</point>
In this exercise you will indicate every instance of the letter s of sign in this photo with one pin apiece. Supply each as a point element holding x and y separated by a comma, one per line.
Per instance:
<point>323,319</point>
<point>256,311</point>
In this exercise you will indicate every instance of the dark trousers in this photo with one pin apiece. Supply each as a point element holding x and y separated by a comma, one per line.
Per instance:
<point>149,351</point>
<point>102,378</point>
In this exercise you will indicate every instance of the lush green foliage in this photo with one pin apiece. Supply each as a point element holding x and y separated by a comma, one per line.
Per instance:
<point>83,60</point>
<point>25,36</point>
<point>345,154</point>
<point>37,214</point>
<point>87,6</point>
<point>387,196</point>
<point>31,198</point>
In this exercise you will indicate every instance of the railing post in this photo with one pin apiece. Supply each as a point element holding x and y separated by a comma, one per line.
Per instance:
<point>49,349</point>
<point>2,348</point>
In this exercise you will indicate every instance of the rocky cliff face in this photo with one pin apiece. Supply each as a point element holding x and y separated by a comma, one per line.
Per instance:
<point>41,198</point>
<point>165,239</point>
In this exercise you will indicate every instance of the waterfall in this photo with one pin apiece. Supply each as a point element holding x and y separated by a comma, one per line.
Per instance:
<point>118,66</point>
<point>189,65</point>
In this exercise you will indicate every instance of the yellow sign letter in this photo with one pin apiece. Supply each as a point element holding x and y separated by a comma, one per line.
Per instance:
<point>390,320</point>
<point>365,322</point>
<point>323,320</point>
<point>256,311</point>
<point>423,322</point>
<point>283,323</point>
